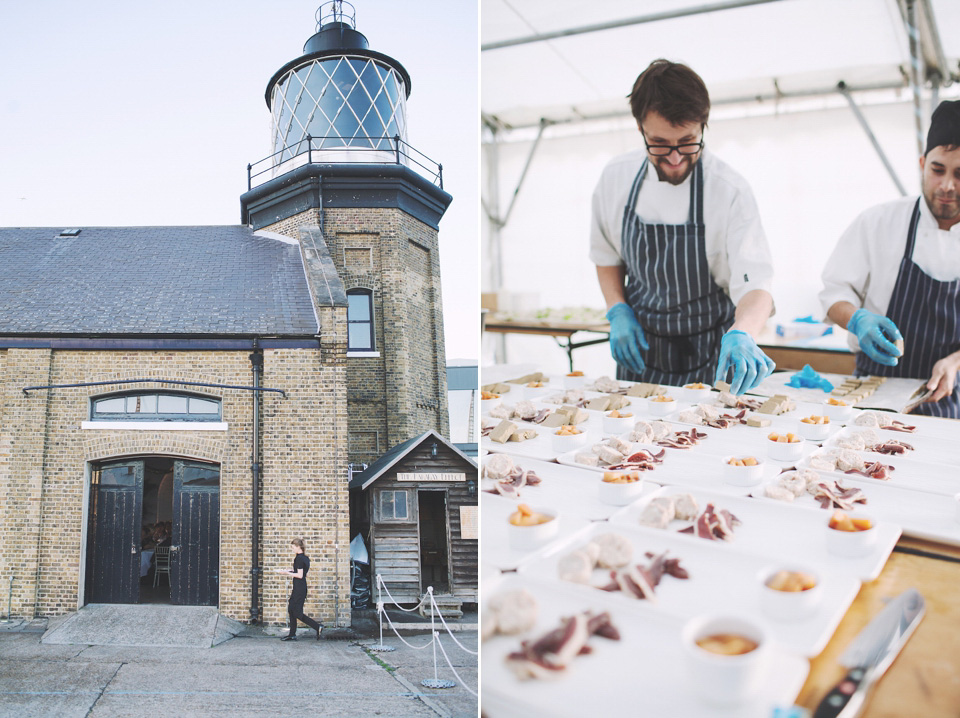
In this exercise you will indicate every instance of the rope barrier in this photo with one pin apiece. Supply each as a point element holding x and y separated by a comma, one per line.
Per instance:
<point>392,599</point>
<point>472,653</point>
<point>454,670</point>
<point>434,682</point>
<point>416,648</point>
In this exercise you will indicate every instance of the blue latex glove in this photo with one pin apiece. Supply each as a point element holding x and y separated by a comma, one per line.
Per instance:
<point>626,337</point>
<point>872,332</point>
<point>750,366</point>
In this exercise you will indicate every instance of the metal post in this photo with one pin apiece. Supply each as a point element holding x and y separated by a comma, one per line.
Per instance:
<point>440,175</point>
<point>435,682</point>
<point>249,167</point>
<point>309,150</point>
<point>396,139</point>
<point>380,609</point>
<point>433,632</point>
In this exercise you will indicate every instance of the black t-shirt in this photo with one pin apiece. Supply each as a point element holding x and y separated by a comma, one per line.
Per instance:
<point>301,561</point>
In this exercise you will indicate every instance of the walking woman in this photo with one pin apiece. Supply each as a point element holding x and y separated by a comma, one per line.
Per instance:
<point>301,564</point>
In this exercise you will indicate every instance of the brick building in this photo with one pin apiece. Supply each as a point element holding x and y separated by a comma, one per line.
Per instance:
<point>222,379</point>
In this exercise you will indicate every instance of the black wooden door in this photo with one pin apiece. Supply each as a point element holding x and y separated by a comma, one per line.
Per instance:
<point>113,545</point>
<point>195,554</point>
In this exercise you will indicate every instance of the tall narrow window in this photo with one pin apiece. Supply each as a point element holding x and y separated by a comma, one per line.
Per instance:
<point>360,320</point>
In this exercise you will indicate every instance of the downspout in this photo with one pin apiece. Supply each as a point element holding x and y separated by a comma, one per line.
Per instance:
<point>256,365</point>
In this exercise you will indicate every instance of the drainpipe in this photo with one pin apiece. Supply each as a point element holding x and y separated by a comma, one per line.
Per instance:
<point>256,364</point>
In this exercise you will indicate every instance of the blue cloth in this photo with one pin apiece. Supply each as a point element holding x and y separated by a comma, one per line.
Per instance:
<point>807,378</point>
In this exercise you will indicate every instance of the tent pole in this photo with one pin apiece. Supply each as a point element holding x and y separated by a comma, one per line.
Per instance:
<point>842,89</point>
<point>491,207</point>
<point>914,36</point>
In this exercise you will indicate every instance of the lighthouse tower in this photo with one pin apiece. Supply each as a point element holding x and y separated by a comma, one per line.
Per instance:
<point>343,181</point>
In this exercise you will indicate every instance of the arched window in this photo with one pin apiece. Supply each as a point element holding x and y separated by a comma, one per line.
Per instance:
<point>360,334</point>
<point>155,406</point>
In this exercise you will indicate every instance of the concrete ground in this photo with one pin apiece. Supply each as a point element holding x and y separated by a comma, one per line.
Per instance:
<point>251,675</point>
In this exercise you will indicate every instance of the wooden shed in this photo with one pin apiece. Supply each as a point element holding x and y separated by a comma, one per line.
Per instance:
<point>417,508</point>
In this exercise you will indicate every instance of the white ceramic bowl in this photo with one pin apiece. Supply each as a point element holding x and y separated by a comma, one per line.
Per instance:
<point>695,396</point>
<point>661,408</point>
<point>574,382</point>
<point>783,451</point>
<point>620,494</point>
<point>527,538</point>
<point>741,475</point>
<point>563,444</point>
<point>618,426</point>
<point>536,392</point>
<point>837,413</point>
<point>851,544</point>
<point>813,432</point>
<point>487,404</point>
<point>789,606</point>
<point>718,679</point>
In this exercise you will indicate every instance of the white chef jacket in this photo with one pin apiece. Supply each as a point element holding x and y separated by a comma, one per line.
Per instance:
<point>864,265</point>
<point>737,252</point>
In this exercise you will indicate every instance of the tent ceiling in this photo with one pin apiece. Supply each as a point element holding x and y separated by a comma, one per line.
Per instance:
<point>785,46</point>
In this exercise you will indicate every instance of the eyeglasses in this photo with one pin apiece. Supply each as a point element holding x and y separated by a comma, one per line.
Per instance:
<point>689,148</point>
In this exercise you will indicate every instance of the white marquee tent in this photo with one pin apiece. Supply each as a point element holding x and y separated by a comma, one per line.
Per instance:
<point>820,104</point>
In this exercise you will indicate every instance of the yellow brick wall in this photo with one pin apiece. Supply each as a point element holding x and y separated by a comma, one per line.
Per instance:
<point>44,457</point>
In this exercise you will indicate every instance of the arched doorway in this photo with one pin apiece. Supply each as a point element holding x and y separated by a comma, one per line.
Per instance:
<point>178,500</point>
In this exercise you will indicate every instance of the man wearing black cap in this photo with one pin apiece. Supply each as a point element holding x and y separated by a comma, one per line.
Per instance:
<point>894,278</point>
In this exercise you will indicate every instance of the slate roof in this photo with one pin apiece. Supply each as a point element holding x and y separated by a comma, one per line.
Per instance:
<point>212,280</point>
<point>378,468</point>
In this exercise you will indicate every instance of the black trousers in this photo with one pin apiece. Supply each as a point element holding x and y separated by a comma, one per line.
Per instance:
<point>295,610</point>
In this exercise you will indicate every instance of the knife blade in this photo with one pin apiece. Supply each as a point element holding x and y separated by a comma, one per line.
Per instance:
<point>871,653</point>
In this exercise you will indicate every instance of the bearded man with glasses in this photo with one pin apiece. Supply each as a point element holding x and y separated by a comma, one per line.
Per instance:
<point>681,255</point>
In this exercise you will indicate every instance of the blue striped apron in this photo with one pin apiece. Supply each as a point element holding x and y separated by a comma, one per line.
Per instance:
<point>925,311</point>
<point>682,311</point>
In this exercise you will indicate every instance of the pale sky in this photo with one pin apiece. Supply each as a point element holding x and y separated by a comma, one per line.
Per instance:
<point>122,112</point>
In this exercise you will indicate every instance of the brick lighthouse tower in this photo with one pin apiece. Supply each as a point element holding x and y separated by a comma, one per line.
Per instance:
<point>344,183</point>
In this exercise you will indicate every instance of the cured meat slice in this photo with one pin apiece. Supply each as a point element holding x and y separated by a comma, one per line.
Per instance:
<point>875,470</point>
<point>554,651</point>
<point>602,625</point>
<point>899,426</point>
<point>541,415</point>
<point>891,447</point>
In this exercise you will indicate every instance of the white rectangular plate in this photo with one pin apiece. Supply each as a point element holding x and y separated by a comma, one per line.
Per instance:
<point>920,514</point>
<point>497,550</point>
<point>927,449</point>
<point>572,491</point>
<point>777,532</point>
<point>907,474</point>
<point>720,580</point>
<point>641,674</point>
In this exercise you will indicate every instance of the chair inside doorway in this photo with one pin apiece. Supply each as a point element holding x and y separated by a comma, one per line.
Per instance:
<point>156,530</point>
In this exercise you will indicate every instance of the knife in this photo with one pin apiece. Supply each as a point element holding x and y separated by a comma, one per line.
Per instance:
<point>871,653</point>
